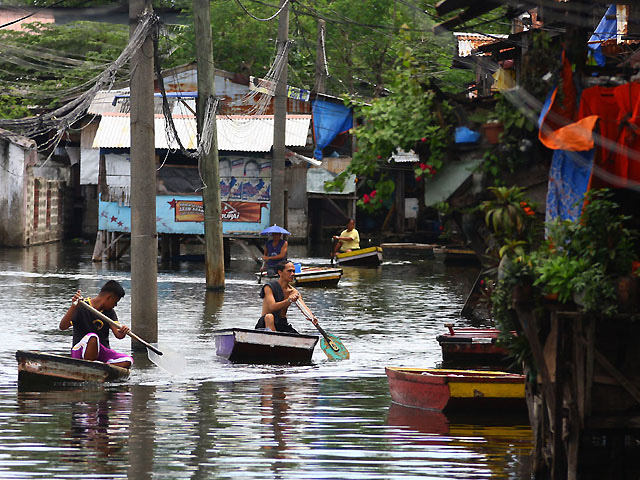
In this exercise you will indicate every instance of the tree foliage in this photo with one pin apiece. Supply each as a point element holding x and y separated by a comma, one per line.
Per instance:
<point>46,64</point>
<point>409,118</point>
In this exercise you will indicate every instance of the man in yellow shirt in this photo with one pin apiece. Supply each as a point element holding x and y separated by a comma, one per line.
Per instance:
<point>348,240</point>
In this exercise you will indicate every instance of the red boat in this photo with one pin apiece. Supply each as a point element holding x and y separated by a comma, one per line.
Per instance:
<point>447,389</point>
<point>476,346</point>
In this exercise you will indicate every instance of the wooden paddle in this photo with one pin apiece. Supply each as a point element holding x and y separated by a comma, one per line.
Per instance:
<point>330,344</point>
<point>261,270</point>
<point>169,360</point>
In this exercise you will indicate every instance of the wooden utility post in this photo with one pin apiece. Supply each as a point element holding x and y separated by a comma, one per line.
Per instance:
<point>321,59</point>
<point>144,239</point>
<point>280,122</point>
<point>214,249</point>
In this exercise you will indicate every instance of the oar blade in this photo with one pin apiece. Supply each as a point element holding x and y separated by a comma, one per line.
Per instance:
<point>170,361</point>
<point>334,350</point>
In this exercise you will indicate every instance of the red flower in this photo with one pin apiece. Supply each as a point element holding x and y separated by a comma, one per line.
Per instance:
<point>423,139</point>
<point>418,178</point>
<point>365,198</point>
<point>527,209</point>
<point>379,157</point>
<point>424,166</point>
<point>373,193</point>
<point>433,171</point>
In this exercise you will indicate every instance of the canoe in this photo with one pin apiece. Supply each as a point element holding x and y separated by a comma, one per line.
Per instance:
<point>448,389</point>
<point>365,257</point>
<point>476,346</point>
<point>245,345</point>
<point>458,255</point>
<point>313,277</point>
<point>38,368</point>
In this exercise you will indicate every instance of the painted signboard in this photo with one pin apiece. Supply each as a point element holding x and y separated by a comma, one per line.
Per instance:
<point>188,217</point>
<point>245,187</point>
<point>193,211</point>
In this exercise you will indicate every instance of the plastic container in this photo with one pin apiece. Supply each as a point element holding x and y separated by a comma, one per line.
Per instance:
<point>298,267</point>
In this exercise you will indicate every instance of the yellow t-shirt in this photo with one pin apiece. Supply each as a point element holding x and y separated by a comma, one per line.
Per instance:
<point>352,244</point>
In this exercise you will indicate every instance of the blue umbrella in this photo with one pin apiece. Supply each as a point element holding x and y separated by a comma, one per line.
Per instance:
<point>274,229</point>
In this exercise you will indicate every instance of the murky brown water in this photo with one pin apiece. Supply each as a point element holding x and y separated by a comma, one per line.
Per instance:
<point>329,420</point>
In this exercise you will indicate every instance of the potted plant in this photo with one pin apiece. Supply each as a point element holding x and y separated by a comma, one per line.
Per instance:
<point>492,130</point>
<point>589,261</point>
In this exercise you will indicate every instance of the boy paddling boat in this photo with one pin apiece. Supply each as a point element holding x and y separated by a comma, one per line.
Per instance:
<point>90,333</point>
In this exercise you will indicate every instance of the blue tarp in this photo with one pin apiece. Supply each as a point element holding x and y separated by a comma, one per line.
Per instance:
<point>329,120</point>
<point>465,135</point>
<point>606,30</point>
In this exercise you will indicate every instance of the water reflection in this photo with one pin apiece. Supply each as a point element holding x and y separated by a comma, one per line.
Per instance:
<point>213,302</point>
<point>205,422</point>
<point>142,433</point>
<point>89,431</point>
<point>223,420</point>
<point>493,437</point>
<point>273,409</point>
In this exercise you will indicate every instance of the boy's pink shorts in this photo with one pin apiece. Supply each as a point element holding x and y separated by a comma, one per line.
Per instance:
<point>105,354</point>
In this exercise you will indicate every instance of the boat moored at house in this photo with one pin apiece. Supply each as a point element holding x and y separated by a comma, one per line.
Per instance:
<point>448,389</point>
<point>472,346</point>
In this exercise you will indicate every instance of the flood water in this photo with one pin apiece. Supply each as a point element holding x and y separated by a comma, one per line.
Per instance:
<point>328,420</point>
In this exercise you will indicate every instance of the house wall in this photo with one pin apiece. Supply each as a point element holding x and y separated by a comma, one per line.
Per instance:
<point>296,185</point>
<point>12,161</point>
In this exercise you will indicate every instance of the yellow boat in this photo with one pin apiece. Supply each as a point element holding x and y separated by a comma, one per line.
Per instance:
<point>440,389</point>
<point>370,256</point>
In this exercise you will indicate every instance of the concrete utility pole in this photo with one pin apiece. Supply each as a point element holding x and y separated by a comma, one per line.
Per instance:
<point>214,254</point>
<point>144,239</point>
<point>280,122</point>
<point>321,64</point>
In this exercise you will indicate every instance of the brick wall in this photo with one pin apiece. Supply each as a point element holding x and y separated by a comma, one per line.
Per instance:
<point>44,212</point>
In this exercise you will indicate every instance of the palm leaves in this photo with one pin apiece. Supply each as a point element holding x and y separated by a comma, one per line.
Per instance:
<point>505,215</point>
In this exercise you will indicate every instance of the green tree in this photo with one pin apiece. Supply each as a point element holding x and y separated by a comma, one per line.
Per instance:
<point>45,65</point>
<point>409,118</point>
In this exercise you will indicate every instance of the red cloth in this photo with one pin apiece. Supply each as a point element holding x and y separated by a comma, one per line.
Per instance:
<point>618,151</point>
<point>629,99</point>
<point>562,113</point>
<point>602,102</point>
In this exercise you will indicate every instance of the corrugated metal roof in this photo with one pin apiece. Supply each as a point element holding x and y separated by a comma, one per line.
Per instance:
<point>237,133</point>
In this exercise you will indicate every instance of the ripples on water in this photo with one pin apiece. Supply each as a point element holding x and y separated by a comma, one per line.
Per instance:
<point>326,420</point>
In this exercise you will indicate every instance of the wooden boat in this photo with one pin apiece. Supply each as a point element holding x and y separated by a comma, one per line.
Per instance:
<point>476,346</point>
<point>365,257</point>
<point>408,250</point>
<point>455,255</point>
<point>245,345</point>
<point>447,389</point>
<point>313,277</point>
<point>38,368</point>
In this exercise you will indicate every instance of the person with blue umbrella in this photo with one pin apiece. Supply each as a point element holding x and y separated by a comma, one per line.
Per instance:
<point>275,250</point>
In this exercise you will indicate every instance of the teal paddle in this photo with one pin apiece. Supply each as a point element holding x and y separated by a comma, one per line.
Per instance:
<point>167,359</point>
<point>330,344</point>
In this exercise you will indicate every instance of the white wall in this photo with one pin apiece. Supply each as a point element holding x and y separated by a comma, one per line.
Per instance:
<point>12,171</point>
